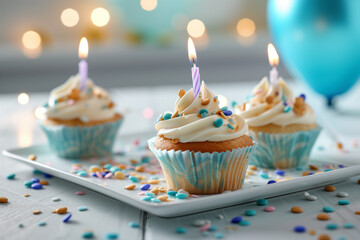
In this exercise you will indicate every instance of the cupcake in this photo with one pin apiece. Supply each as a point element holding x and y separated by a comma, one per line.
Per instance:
<point>80,123</point>
<point>202,148</point>
<point>284,127</point>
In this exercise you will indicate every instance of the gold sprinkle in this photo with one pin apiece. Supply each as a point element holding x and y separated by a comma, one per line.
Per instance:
<point>3,200</point>
<point>339,145</point>
<point>199,116</point>
<point>32,157</point>
<point>253,167</point>
<point>119,175</point>
<point>140,168</point>
<point>154,181</point>
<point>181,93</point>
<point>99,95</point>
<point>61,210</point>
<point>312,232</point>
<point>95,169</point>
<point>174,114</point>
<point>163,198</point>
<point>144,182</point>
<point>130,187</point>
<point>37,212</point>
<point>222,115</point>
<point>111,105</point>
<point>162,189</point>
<point>26,195</point>
<point>250,172</point>
<point>152,172</point>
<point>175,140</point>
<point>215,99</point>
<point>133,161</point>
<point>237,127</point>
<point>313,167</point>
<point>155,190</point>
<point>269,99</point>
<point>44,182</point>
<point>329,188</point>
<point>205,101</point>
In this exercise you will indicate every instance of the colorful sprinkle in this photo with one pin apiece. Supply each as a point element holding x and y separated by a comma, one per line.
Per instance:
<point>55,199</point>
<point>236,219</point>
<point>227,112</point>
<point>269,209</point>
<point>262,202</point>
<point>342,194</point>
<point>28,184</point>
<point>219,235</point>
<point>145,187</point>
<point>299,229</point>
<point>133,179</point>
<point>21,225</point>
<point>331,226</point>
<point>180,230</point>
<point>134,224</point>
<point>271,182</point>
<point>343,202</point>
<point>244,223</point>
<point>3,200</point>
<point>82,208</point>
<point>250,212</point>
<point>348,225</point>
<point>88,235</point>
<point>279,172</point>
<point>42,223</point>
<point>328,209</point>
<point>11,176</point>
<point>287,109</point>
<point>167,116</point>
<point>155,200</point>
<point>172,193</point>
<point>311,198</point>
<point>230,126</point>
<point>264,175</point>
<point>80,193</point>
<point>112,236</point>
<point>181,195</point>
<point>36,186</point>
<point>67,218</point>
<point>218,122</point>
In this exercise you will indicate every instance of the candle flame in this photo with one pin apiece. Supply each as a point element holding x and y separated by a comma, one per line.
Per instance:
<point>83,48</point>
<point>272,55</point>
<point>192,51</point>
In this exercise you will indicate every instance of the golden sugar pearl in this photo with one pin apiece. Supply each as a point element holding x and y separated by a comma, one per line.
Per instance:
<point>163,198</point>
<point>36,212</point>
<point>140,168</point>
<point>313,167</point>
<point>3,200</point>
<point>26,195</point>
<point>296,209</point>
<point>253,167</point>
<point>61,210</point>
<point>154,181</point>
<point>323,217</point>
<point>205,101</point>
<point>181,93</point>
<point>305,173</point>
<point>119,175</point>
<point>44,182</point>
<point>99,95</point>
<point>130,187</point>
<point>329,188</point>
<point>95,169</point>
<point>32,157</point>
<point>175,114</point>
<point>175,140</point>
<point>133,161</point>
<point>155,190</point>
<point>269,99</point>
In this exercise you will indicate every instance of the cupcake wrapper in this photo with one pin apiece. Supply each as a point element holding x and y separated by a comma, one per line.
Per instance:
<point>203,173</point>
<point>82,141</point>
<point>283,150</point>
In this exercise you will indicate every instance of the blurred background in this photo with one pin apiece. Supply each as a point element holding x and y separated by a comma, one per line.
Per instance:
<point>132,42</point>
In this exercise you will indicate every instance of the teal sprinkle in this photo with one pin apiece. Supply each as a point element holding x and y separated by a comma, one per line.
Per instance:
<point>155,200</point>
<point>283,98</point>
<point>35,171</point>
<point>172,193</point>
<point>21,225</point>
<point>213,228</point>
<point>82,208</point>
<point>331,226</point>
<point>342,238</point>
<point>262,202</point>
<point>328,170</point>
<point>180,230</point>
<point>104,107</point>
<point>348,225</point>
<point>224,108</point>
<point>216,97</point>
<point>167,116</point>
<point>231,120</point>
<point>203,111</point>
<point>154,177</point>
<point>250,212</point>
<point>178,115</point>
<point>82,173</point>
<point>56,101</point>
<point>11,176</point>
<point>343,202</point>
<point>88,235</point>
<point>42,223</point>
<point>218,122</point>
<point>219,235</point>
<point>299,168</point>
<point>133,179</point>
<point>287,109</point>
<point>112,236</point>
<point>108,166</point>
<point>320,148</point>
<point>230,126</point>
<point>46,105</point>
<point>328,209</point>
<point>251,137</point>
<point>115,169</point>
<point>181,195</point>
<point>204,115</point>
<point>264,175</point>
<point>28,183</point>
<point>233,104</point>
<point>146,198</point>
<point>244,223</point>
<point>150,194</point>
<point>206,233</point>
<point>134,224</point>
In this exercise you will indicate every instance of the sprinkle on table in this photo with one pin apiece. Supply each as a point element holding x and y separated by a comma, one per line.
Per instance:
<point>80,193</point>
<point>269,209</point>
<point>262,202</point>
<point>328,209</point>
<point>11,176</point>
<point>82,208</point>
<point>36,212</point>
<point>32,157</point>
<point>88,235</point>
<point>299,229</point>
<point>236,219</point>
<point>296,209</point>
<point>112,236</point>
<point>41,224</point>
<point>180,230</point>
<point>67,218</point>
<point>134,224</point>
<point>329,188</point>
<point>250,212</point>
<point>323,217</point>
<point>343,202</point>
<point>3,200</point>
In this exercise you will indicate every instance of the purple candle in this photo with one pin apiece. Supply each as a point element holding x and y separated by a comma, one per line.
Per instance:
<point>83,66</point>
<point>194,70</point>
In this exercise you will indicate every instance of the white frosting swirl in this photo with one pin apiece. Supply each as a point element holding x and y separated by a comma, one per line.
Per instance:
<point>258,112</point>
<point>190,127</point>
<point>67,102</point>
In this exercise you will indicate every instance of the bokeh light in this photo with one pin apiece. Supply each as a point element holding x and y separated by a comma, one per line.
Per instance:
<point>148,113</point>
<point>100,17</point>
<point>246,27</point>
<point>148,5</point>
<point>31,40</point>
<point>69,17</point>
<point>23,98</point>
<point>196,28</point>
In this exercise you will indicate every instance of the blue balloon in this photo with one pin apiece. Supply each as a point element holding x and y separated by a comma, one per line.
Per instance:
<point>319,41</point>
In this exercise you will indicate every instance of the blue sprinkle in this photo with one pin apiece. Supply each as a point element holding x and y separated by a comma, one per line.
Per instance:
<point>150,194</point>
<point>104,173</point>
<point>112,236</point>
<point>287,109</point>
<point>134,224</point>
<point>236,219</point>
<point>320,148</point>
<point>328,170</point>
<point>331,226</point>
<point>146,198</point>
<point>35,180</point>
<point>244,223</point>
<point>181,195</point>
<point>133,179</point>
<point>343,202</point>
<point>67,218</point>
<point>230,126</point>
<point>328,209</point>
<point>303,96</point>
<point>285,103</point>
<point>167,116</point>
<point>280,172</point>
<point>219,235</point>
<point>299,229</point>
<point>155,200</point>
<point>42,223</point>
<point>36,186</point>
<point>341,166</point>
<point>145,187</point>
<point>348,225</point>
<point>250,212</point>
<point>203,111</point>
<point>28,184</point>
<point>88,235</point>
<point>172,193</point>
<point>82,208</point>
<point>213,228</point>
<point>181,230</point>
<point>218,122</point>
<point>227,113</point>
<point>46,175</point>
<point>94,175</point>
<point>271,182</point>
<point>262,202</point>
<point>11,176</point>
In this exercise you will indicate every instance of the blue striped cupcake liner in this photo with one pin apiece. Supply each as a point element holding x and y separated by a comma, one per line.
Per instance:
<point>289,150</point>
<point>82,141</point>
<point>204,173</point>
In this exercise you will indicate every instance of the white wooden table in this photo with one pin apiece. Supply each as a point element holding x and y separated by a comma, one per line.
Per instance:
<point>104,215</point>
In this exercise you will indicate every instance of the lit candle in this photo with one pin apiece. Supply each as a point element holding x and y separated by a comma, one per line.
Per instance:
<point>194,70</point>
<point>83,66</point>
<point>274,61</point>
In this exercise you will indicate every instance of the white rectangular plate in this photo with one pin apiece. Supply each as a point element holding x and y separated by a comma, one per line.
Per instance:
<point>254,187</point>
